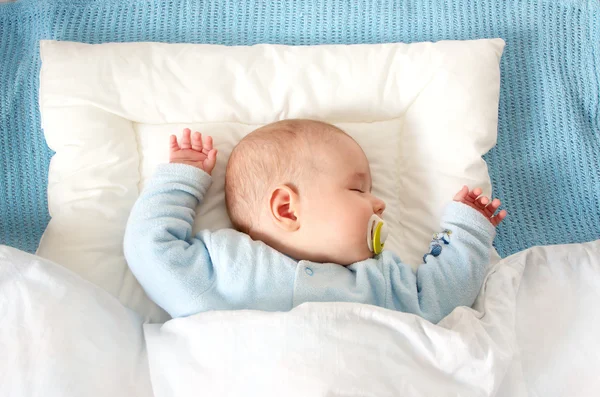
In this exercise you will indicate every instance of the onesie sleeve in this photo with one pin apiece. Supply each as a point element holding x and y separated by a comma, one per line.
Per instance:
<point>185,273</point>
<point>453,269</point>
<point>171,265</point>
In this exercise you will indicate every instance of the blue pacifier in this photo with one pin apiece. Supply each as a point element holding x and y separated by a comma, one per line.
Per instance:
<point>377,233</point>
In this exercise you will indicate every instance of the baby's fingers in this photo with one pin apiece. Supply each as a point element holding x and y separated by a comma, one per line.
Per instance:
<point>173,145</point>
<point>197,141</point>
<point>212,156</point>
<point>482,202</point>
<point>492,207</point>
<point>498,218</point>
<point>208,144</point>
<point>473,194</point>
<point>185,139</point>
<point>210,161</point>
<point>461,194</point>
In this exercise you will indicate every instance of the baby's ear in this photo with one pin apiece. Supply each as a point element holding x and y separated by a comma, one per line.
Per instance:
<point>283,205</point>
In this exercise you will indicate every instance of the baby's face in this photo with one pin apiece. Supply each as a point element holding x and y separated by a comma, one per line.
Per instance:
<point>337,204</point>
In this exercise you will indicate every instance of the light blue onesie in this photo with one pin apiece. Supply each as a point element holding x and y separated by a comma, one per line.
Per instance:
<point>226,269</point>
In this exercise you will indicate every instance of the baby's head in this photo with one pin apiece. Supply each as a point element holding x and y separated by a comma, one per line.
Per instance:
<point>304,188</point>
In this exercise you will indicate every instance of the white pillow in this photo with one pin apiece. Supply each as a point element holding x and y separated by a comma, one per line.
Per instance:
<point>424,113</point>
<point>61,336</point>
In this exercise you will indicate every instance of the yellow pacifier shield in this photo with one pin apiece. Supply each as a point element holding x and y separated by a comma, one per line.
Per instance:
<point>377,243</point>
<point>376,234</point>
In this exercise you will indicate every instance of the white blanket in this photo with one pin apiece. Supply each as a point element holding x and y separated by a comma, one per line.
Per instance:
<point>62,336</point>
<point>557,323</point>
<point>349,349</point>
<point>340,349</point>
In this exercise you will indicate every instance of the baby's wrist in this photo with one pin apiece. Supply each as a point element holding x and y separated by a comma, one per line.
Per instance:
<point>189,163</point>
<point>478,211</point>
<point>184,175</point>
<point>459,213</point>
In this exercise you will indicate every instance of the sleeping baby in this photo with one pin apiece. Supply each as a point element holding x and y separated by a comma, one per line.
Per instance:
<point>307,229</point>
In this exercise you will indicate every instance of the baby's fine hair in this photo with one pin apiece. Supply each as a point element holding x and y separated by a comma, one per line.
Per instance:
<point>278,153</point>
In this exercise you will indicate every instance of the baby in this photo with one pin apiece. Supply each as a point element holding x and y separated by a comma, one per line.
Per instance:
<point>299,194</point>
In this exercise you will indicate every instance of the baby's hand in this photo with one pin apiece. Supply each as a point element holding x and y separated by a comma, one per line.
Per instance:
<point>195,151</point>
<point>481,204</point>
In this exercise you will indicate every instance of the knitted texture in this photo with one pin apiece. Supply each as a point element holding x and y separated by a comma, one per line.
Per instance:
<point>545,167</point>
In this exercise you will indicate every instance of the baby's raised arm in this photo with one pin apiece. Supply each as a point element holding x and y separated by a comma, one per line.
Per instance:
<point>185,273</point>
<point>456,264</point>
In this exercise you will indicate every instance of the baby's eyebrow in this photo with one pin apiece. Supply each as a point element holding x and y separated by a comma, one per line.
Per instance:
<point>359,176</point>
<point>362,176</point>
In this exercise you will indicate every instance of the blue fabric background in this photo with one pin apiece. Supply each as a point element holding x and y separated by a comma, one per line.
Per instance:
<point>545,167</point>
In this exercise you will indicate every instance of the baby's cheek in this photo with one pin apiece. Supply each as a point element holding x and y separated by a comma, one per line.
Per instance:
<point>358,232</point>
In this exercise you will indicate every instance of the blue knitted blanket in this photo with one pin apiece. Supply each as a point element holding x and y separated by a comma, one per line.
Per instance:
<point>545,167</point>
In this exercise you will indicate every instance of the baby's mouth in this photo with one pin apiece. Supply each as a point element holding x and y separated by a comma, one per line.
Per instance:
<point>377,232</point>
<point>372,229</point>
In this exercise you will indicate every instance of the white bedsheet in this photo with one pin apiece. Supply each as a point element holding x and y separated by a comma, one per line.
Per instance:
<point>62,336</point>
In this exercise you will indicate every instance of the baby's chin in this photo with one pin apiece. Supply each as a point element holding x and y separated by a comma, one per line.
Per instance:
<point>346,260</point>
<point>344,257</point>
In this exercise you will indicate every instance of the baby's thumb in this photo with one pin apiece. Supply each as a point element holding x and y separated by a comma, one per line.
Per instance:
<point>462,193</point>
<point>212,156</point>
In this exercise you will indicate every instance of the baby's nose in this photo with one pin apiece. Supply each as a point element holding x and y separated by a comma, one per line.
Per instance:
<point>379,206</point>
